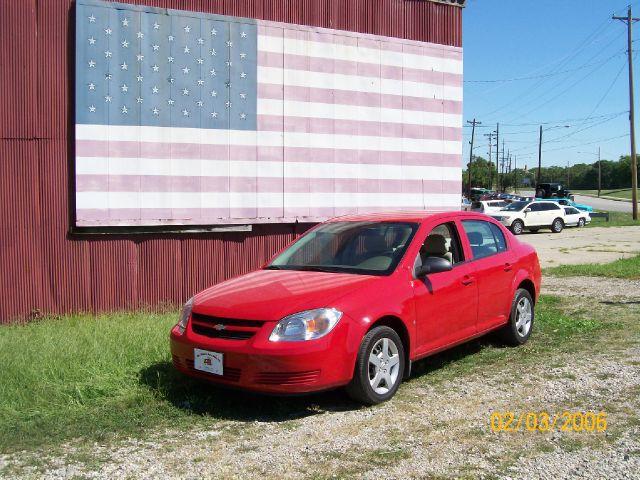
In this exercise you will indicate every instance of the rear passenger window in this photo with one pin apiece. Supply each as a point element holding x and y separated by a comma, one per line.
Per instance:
<point>484,240</point>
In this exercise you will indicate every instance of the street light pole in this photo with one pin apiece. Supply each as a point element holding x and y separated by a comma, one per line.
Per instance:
<point>539,156</point>
<point>599,173</point>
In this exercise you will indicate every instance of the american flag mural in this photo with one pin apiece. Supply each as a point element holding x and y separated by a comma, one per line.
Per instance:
<point>185,118</point>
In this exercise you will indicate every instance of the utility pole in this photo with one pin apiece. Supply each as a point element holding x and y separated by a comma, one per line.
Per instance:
<point>490,135</point>
<point>515,174</point>
<point>629,20</point>
<point>599,173</point>
<point>497,154</point>
<point>473,132</point>
<point>568,176</point>
<point>502,167</point>
<point>539,156</point>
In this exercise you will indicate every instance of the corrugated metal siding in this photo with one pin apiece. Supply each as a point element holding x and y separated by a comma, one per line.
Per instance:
<point>45,270</point>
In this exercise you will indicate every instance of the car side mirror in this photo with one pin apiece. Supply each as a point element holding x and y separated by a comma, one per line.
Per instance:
<point>433,265</point>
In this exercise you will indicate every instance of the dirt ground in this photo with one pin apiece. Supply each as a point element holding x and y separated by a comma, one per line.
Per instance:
<point>584,245</point>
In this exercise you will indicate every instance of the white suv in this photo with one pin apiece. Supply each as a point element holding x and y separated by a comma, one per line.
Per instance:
<point>488,206</point>
<point>532,216</point>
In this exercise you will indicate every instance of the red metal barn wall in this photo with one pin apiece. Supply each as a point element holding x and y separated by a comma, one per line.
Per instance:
<point>43,268</point>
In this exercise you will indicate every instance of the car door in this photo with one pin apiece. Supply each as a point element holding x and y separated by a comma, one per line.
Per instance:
<point>534,217</point>
<point>492,267</point>
<point>551,212</point>
<point>446,303</point>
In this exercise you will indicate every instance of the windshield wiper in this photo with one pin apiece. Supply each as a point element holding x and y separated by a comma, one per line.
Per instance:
<point>273,267</point>
<point>316,268</point>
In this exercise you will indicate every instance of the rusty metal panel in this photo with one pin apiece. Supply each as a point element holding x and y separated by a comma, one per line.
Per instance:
<point>47,270</point>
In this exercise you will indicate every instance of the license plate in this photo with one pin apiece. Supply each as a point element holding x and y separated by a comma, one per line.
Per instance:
<point>206,361</point>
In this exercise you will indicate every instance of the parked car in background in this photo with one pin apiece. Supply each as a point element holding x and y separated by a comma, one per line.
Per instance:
<point>552,190</point>
<point>488,206</point>
<point>314,318</point>
<point>477,193</point>
<point>532,216</point>
<point>567,202</point>
<point>576,218</point>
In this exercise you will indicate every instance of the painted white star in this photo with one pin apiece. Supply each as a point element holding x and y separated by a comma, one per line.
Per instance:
<point>156,48</point>
<point>243,116</point>
<point>154,89</point>
<point>243,96</point>
<point>213,52</point>
<point>125,22</point>
<point>199,103</point>
<point>139,78</point>
<point>124,66</point>
<point>108,31</point>
<point>185,113</point>
<point>124,110</point>
<point>186,49</point>
<point>214,93</point>
<point>124,88</point>
<point>139,99</point>
<point>92,64</point>
<point>155,68</point>
<point>171,102</point>
<point>200,41</point>
<point>185,70</point>
<point>170,38</point>
<point>243,75</point>
<point>200,61</point>
<point>107,76</point>
<point>214,31</point>
<point>92,108</point>
<point>243,34</point>
<point>187,29</point>
<point>156,26</point>
<point>92,19</point>
<point>107,99</point>
<point>243,55</point>
<point>140,35</point>
<point>107,54</point>
<point>227,104</point>
<point>92,41</point>
<point>185,91</point>
<point>92,86</point>
<point>214,114</point>
<point>229,43</point>
<point>125,44</point>
<point>200,82</point>
<point>155,111</point>
<point>139,57</point>
<point>212,72</point>
<point>170,59</point>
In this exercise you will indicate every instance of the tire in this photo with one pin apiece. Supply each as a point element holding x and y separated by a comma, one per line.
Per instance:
<point>370,391</point>
<point>557,225</point>
<point>581,222</point>
<point>518,330</point>
<point>517,227</point>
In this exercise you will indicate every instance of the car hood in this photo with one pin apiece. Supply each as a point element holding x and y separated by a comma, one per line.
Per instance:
<point>274,294</point>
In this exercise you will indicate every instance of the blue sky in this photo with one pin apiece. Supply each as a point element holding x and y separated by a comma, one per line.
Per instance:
<point>577,56</point>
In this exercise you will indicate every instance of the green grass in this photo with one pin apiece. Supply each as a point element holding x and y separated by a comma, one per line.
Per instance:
<point>109,377</point>
<point>624,193</point>
<point>623,268</point>
<point>616,219</point>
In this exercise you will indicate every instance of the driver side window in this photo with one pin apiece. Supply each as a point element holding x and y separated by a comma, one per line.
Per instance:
<point>443,241</point>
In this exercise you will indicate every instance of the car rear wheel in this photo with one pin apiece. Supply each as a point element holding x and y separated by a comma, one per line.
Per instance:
<point>581,223</point>
<point>518,330</point>
<point>379,367</point>
<point>557,225</point>
<point>517,227</point>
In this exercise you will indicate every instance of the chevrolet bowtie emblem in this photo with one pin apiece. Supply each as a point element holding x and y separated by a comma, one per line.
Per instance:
<point>219,326</point>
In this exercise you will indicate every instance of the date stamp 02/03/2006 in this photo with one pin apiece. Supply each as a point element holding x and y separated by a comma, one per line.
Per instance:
<point>565,421</point>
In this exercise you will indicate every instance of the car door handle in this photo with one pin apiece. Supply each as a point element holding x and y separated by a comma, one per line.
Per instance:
<point>467,280</point>
<point>507,267</point>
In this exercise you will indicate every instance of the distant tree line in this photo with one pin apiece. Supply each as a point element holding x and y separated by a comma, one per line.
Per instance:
<point>581,176</point>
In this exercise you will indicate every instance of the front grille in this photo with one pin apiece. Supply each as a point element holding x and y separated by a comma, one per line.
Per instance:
<point>226,328</point>
<point>287,378</point>
<point>229,374</point>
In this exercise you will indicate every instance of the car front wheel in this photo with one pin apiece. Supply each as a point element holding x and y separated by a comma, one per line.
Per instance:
<point>557,225</point>
<point>581,223</point>
<point>518,330</point>
<point>517,227</point>
<point>379,367</point>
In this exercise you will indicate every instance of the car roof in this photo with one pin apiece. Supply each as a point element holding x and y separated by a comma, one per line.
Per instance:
<point>405,216</point>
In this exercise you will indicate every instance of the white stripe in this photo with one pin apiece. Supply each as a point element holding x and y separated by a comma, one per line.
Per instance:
<point>360,113</point>
<point>113,200</point>
<point>355,83</point>
<point>348,52</point>
<point>268,139</point>
<point>223,168</point>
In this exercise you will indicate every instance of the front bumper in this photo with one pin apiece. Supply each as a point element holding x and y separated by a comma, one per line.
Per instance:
<point>271,367</point>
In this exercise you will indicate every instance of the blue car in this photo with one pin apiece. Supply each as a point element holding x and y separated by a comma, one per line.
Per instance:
<point>567,202</point>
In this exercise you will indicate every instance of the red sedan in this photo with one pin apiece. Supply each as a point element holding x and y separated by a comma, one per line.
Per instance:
<point>356,299</point>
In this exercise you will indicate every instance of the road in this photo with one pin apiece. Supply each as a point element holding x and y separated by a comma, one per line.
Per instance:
<point>604,204</point>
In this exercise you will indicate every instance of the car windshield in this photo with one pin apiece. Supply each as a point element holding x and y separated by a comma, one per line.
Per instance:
<point>366,248</point>
<point>516,206</point>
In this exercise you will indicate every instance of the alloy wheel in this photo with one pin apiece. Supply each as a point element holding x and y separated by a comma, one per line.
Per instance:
<point>384,366</point>
<point>524,315</point>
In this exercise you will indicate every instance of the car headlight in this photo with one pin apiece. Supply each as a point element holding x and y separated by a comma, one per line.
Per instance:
<point>307,325</point>
<point>185,314</point>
